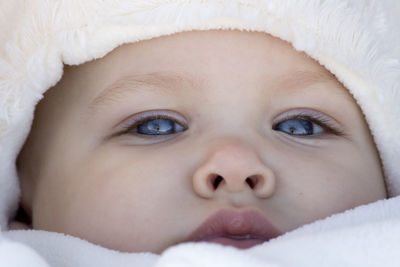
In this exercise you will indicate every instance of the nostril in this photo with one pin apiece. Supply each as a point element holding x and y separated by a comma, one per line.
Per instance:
<point>216,180</point>
<point>252,181</point>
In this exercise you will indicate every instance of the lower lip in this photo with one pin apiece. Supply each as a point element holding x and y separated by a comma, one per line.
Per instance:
<point>238,243</point>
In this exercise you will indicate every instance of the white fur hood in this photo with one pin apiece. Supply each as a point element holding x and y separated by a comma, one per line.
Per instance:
<point>358,41</point>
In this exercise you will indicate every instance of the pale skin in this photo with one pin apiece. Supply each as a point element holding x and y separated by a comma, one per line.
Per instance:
<point>233,96</point>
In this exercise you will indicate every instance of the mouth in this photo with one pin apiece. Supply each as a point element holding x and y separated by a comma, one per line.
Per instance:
<point>238,229</point>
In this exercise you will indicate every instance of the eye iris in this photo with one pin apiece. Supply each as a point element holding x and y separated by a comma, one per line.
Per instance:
<point>296,127</point>
<point>157,127</point>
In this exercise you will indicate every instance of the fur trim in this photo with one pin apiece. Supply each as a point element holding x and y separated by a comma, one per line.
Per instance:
<point>358,41</point>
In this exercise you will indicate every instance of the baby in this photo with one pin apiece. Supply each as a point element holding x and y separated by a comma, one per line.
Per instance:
<point>229,137</point>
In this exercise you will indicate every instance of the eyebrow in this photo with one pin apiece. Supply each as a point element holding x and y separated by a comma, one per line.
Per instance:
<point>302,78</point>
<point>171,82</point>
<point>164,82</point>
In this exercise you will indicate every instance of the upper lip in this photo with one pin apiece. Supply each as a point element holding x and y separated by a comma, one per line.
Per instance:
<point>235,225</point>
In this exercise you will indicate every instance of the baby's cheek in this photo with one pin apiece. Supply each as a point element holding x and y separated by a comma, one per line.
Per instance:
<point>102,209</point>
<point>14,225</point>
<point>317,185</point>
<point>116,206</point>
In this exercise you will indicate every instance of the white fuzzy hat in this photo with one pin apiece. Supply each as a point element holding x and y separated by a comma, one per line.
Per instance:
<point>358,41</point>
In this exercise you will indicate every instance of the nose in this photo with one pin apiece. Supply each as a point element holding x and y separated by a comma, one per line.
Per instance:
<point>233,167</point>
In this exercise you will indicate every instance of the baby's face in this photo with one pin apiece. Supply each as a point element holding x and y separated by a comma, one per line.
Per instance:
<point>137,150</point>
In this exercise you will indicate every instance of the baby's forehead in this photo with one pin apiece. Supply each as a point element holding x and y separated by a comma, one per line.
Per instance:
<point>195,60</point>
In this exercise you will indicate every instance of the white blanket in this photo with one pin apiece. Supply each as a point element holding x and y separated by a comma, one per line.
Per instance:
<point>366,236</point>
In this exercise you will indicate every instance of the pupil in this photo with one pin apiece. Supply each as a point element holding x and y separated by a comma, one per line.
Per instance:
<point>155,127</point>
<point>296,127</point>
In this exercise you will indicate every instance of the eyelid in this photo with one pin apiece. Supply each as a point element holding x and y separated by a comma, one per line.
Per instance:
<point>143,116</point>
<point>326,122</point>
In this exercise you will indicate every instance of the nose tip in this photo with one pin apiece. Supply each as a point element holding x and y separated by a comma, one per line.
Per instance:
<point>233,168</point>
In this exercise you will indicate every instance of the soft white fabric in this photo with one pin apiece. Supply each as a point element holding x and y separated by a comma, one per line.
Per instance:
<point>62,250</point>
<point>357,40</point>
<point>14,254</point>
<point>366,236</point>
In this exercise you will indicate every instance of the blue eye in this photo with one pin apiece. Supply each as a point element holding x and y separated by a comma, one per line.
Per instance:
<point>160,126</point>
<point>299,127</point>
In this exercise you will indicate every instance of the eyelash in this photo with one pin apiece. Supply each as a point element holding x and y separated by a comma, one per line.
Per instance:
<point>145,117</point>
<point>319,119</point>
